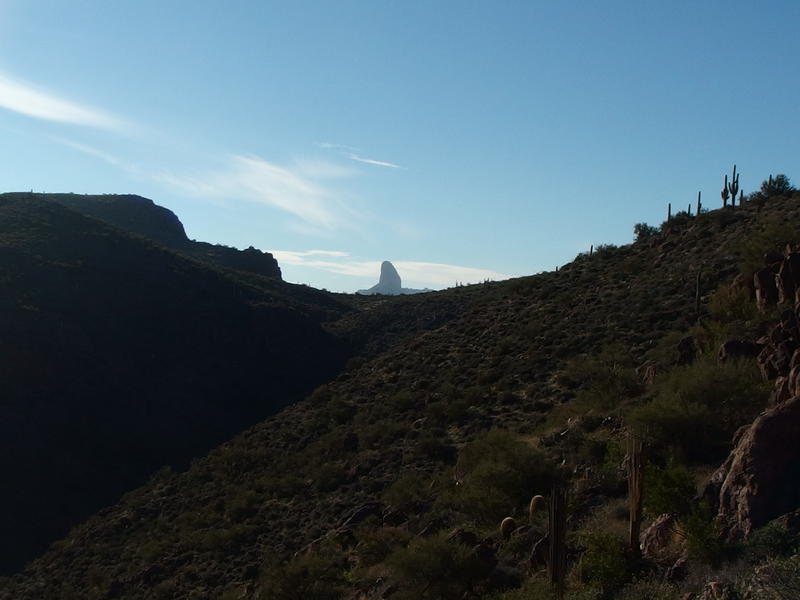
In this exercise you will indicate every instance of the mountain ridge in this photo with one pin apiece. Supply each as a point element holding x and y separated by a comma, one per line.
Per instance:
<point>338,492</point>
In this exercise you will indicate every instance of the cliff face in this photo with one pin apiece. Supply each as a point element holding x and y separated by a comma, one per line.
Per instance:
<point>128,212</point>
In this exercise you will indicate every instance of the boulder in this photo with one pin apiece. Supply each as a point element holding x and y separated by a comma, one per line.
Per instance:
<point>760,480</point>
<point>718,590</point>
<point>766,291</point>
<point>655,540</point>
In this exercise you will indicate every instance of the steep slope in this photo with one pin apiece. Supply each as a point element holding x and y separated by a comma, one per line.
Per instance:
<point>320,468</point>
<point>118,356</point>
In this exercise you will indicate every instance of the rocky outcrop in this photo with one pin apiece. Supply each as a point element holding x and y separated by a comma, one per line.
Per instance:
<point>760,480</point>
<point>656,539</point>
<point>389,283</point>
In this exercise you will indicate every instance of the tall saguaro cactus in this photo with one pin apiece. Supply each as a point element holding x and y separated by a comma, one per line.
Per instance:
<point>635,490</point>
<point>733,186</point>
<point>558,539</point>
<point>725,193</point>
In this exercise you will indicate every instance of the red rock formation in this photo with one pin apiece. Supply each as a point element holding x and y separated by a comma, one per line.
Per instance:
<point>760,477</point>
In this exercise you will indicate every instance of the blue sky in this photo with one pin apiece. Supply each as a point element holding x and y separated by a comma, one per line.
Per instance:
<point>460,140</point>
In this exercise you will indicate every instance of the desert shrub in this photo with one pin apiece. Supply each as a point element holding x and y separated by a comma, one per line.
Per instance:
<point>220,540</point>
<point>770,541</point>
<point>698,407</point>
<point>538,588</point>
<point>433,567</point>
<point>702,538</point>
<point>778,579</point>
<point>328,476</point>
<point>312,576</point>
<point>382,433</point>
<point>609,474</point>
<point>241,504</point>
<point>321,395</point>
<point>677,222</point>
<point>281,486</point>
<point>434,445</point>
<point>780,185</point>
<point>603,563</point>
<point>669,489</point>
<point>665,352</point>
<point>603,379</point>
<point>402,401</point>
<point>341,411</point>
<point>499,474</point>
<point>605,250</point>
<point>376,543</point>
<point>729,304</point>
<point>649,589</point>
<point>409,492</point>
<point>772,237</point>
<point>643,231</point>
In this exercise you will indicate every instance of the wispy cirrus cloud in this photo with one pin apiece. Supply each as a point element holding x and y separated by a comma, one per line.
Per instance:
<point>295,189</point>
<point>414,272</point>
<point>354,153</point>
<point>26,99</point>
<point>97,153</point>
<point>372,161</point>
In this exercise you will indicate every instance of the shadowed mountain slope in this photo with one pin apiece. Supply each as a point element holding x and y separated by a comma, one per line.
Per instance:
<point>119,356</point>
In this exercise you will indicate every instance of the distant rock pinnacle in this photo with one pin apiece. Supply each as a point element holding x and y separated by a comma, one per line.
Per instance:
<point>389,283</point>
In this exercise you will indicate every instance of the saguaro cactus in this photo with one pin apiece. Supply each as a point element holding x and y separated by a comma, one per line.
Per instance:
<point>733,186</point>
<point>635,490</point>
<point>725,193</point>
<point>699,204</point>
<point>507,527</point>
<point>537,503</point>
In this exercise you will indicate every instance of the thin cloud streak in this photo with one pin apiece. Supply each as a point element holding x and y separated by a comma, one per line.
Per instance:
<point>426,273</point>
<point>372,161</point>
<point>25,99</point>
<point>96,153</point>
<point>287,189</point>
<point>332,146</point>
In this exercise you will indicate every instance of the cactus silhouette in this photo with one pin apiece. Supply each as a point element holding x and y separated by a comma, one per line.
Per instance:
<point>725,193</point>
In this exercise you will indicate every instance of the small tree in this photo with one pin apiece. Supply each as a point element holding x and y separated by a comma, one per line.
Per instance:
<point>777,186</point>
<point>774,186</point>
<point>642,231</point>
